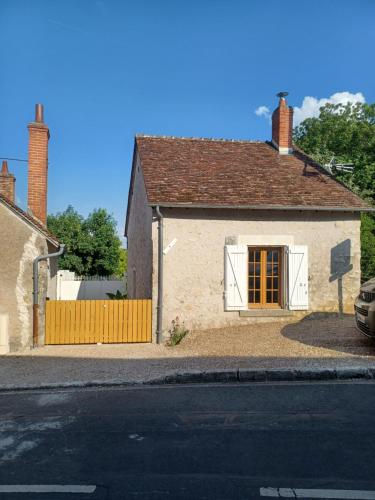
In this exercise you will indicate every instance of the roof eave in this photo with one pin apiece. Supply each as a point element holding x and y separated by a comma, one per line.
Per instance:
<point>130,190</point>
<point>54,242</point>
<point>264,207</point>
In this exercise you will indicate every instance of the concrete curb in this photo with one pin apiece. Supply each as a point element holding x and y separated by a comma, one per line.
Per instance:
<point>270,375</point>
<point>213,376</point>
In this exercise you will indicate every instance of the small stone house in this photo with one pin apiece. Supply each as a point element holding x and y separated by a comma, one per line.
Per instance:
<point>24,237</point>
<point>226,232</point>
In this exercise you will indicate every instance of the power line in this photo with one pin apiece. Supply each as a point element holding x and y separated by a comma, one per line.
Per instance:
<point>12,159</point>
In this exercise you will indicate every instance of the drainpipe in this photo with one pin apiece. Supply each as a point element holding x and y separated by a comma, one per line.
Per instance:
<point>36,290</point>
<point>159,308</point>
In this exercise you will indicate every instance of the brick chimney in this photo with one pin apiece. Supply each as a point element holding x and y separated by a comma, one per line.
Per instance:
<point>282,126</point>
<point>7,182</point>
<point>38,166</point>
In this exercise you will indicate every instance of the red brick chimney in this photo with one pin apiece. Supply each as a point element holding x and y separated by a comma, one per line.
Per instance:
<point>38,166</point>
<point>282,125</point>
<point>7,182</point>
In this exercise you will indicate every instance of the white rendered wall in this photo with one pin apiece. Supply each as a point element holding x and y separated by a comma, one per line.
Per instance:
<point>71,288</point>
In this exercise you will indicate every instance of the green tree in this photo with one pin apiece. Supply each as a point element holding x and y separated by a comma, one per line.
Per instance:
<point>93,246</point>
<point>346,133</point>
<point>67,227</point>
<point>105,245</point>
<point>123,263</point>
<point>368,246</point>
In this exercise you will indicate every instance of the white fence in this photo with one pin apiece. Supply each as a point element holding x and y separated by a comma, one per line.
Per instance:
<point>72,287</point>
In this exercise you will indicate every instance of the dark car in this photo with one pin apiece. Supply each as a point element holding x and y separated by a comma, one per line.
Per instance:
<point>365,309</point>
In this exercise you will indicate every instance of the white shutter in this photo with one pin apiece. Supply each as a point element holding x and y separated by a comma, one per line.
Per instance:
<point>298,292</point>
<point>235,277</point>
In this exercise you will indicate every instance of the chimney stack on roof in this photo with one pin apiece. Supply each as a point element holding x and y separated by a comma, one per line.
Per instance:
<point>7,182</point>
<point>282,125</point>
<point>38,166</point>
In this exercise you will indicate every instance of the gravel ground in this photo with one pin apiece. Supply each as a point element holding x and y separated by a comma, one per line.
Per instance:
<point>319,342</point>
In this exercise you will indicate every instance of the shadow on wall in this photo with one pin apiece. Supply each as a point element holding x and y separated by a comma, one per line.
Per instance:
<point>340,265</point>
<point>88,289</point>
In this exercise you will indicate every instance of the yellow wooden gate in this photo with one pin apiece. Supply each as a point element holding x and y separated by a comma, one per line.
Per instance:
<point>98,321</point>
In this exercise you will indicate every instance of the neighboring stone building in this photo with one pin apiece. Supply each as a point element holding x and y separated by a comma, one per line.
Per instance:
<point>24,237</point>
<point>251,230</point>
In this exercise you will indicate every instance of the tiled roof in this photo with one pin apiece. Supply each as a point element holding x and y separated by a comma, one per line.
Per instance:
<point>236,173</point>
<point>29,220</point>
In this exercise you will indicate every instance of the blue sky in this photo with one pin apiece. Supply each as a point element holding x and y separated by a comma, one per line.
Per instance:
<point>107,69</point>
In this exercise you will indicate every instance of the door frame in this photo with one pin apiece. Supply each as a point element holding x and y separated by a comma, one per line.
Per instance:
<point>263,277</point>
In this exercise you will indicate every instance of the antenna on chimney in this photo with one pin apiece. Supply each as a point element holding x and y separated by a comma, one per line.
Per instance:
<point>282,94</point>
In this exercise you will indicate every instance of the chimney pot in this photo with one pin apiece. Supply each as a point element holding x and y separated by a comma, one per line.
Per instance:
<point>39,111</point>
<point>4,167</point>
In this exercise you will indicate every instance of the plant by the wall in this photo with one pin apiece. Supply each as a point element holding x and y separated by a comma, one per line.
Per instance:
<point>117,296</point>
<point>177,332</point>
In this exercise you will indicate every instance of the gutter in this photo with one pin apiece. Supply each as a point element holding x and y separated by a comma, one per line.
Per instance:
<point>317,208</point>
<point>36,290</point>
<point>159,307</point>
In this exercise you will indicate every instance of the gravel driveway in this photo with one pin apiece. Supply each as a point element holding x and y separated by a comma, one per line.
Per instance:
<point>314,342</point>
<point>316,336</point>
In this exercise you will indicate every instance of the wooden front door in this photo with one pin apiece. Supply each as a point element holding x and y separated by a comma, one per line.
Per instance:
<point>264,277</point>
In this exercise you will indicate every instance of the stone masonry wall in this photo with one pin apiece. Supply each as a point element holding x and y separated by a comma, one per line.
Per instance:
<point>139,241</point>
<point>20,244</point>
<point>194,267</point>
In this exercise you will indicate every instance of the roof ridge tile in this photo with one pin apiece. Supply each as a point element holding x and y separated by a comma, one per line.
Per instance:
<point>212,139</point>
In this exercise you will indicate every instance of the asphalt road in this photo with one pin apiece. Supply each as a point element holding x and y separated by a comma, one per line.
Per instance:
<point>230,441</point>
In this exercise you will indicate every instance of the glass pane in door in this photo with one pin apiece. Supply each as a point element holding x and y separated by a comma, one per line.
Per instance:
<point>254,276</point>
<point>273,276</point>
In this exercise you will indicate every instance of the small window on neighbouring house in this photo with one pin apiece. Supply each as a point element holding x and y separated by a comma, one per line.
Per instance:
<point>264,277</point>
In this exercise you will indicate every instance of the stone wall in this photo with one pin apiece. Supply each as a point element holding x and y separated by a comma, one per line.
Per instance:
<point>194,267</point>
<point>20,244</point>
<point>139,240</point>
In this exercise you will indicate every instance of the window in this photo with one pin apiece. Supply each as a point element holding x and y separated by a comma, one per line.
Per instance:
<point>264,277</point>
